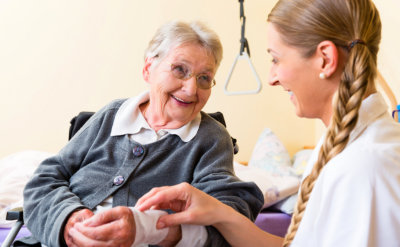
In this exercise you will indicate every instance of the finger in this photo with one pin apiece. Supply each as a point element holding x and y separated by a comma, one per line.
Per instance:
<point>162,198</point>
<point>79,239</point>
<point>173,220</point>
<point>101,232</point>
<point>118,224</point>
<point>149,194</point>
<point>77,216</point>
<point>120,231</point>
<point>107,216</point>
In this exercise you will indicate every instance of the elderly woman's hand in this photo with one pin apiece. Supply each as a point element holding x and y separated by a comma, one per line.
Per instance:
<point>77,216</point>
<point>112,227</point>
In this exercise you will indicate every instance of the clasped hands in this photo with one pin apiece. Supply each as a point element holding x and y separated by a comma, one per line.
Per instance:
<point>112,227</point>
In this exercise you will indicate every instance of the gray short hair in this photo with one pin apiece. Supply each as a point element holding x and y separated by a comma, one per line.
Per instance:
<point>176,33</point>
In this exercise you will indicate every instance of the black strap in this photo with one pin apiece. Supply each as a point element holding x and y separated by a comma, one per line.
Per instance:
<point>244,45</point>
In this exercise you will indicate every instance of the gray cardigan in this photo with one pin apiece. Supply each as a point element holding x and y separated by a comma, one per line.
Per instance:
<point>95,165</point>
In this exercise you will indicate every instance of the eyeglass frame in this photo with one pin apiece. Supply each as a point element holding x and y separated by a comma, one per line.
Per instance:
<point>190,75</point>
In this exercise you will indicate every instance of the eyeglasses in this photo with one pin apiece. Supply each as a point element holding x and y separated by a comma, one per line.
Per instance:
<point>183,72</point>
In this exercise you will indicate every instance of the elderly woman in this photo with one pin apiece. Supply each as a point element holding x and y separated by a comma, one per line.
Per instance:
<point>85,194</point>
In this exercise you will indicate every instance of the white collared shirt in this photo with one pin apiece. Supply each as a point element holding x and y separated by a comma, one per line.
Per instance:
<point>356,198</point>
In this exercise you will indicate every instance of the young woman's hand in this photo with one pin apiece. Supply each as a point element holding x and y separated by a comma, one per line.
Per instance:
<point>192,205</point>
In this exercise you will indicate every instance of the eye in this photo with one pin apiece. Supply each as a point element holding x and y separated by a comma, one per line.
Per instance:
<point>204,81</point>
<point>204,78</point>
<point>179,70</point>
<point>274,60</point>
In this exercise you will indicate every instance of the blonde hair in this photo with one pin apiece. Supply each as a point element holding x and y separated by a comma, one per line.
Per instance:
<point>176,33</point>
<point>304,24</point>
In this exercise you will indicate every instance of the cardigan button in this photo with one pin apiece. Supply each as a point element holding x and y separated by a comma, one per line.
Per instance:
<point>138,151</point>
<point>118,180</point>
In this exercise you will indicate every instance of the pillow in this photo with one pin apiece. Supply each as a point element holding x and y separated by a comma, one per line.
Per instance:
<point>270,167</point>
<point>270,154</point>
<point>300,160</point>
<point>15,171</point>
<point>274,187</point>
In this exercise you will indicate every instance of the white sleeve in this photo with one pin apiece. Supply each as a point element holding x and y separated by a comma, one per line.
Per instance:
<point>193,235</point>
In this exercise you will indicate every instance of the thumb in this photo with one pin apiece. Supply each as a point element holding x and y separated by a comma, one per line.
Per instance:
<point>172,220</point>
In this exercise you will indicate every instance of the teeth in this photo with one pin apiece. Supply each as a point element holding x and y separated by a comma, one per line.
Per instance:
<point>290,93</point>
<point>181,100</point>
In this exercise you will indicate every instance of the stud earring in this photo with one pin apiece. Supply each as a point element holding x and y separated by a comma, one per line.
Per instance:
<point>322,75</point>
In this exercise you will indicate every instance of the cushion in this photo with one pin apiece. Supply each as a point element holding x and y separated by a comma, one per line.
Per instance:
<point>274,172</point>
<point>275,187</point>
<point>300,160</point>
<point>15,171</point>
<point>270,154</point>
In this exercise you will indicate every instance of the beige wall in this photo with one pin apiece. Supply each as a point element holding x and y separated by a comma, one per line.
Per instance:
<point>61,57</point>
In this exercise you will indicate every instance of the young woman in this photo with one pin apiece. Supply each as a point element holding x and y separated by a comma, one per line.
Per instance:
<point>325,56</point>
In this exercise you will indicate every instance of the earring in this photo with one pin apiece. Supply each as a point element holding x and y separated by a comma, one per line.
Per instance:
<point>322,75</point>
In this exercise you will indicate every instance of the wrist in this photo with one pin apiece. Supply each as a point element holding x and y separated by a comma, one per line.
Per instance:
<point>173,237</point>
<point>225,216</point>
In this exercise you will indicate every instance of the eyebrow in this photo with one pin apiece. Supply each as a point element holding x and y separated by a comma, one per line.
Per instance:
<point>269,50</point>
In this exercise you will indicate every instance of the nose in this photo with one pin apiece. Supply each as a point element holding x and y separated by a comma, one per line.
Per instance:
<point>273,79</point>
<point>190,86</point>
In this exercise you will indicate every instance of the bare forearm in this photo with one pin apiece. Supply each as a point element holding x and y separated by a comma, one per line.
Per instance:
<point>240,231</point>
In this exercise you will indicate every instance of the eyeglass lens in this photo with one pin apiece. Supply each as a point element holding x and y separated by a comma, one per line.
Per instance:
<point>183,72</point>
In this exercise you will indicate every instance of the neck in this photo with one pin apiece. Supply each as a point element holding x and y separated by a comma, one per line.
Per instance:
<point>157,121</point>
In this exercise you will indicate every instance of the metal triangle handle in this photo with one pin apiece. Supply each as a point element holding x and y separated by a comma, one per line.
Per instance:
<point>244,55</point>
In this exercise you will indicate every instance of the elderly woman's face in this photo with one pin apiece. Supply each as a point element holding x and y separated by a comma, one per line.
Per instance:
<point>178,99</point>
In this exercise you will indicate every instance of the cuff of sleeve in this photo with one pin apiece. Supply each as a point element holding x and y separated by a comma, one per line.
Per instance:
<point>146,231</point>
<point>193,235</point>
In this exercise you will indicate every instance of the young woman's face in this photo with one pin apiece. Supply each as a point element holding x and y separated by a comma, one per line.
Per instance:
<point>180,100</point>
<point>298,76</point>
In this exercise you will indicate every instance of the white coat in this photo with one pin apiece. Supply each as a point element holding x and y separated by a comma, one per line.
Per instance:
<point>356,198</point>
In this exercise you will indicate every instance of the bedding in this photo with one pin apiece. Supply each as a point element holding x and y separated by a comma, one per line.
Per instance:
<point>272,169</point>
<point>15,171</point>
<point>278,177</point>
<point>24,232</point>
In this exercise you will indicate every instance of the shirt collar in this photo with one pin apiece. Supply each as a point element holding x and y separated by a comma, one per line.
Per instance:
<point>129,120</point>
<point>371,108</point>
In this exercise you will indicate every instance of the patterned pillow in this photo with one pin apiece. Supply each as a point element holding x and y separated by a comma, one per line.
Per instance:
<point>270,154</point>
<point>270,167</point>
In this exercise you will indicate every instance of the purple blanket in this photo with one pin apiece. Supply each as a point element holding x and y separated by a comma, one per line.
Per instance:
<point>273,222</point>
<point>24,232</point>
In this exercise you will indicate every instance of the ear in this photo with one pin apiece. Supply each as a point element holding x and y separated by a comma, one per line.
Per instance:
<point>329,57</point>
<point>146,68</point>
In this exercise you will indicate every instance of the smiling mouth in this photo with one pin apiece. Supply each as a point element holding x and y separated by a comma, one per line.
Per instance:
<point>181,100</point>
